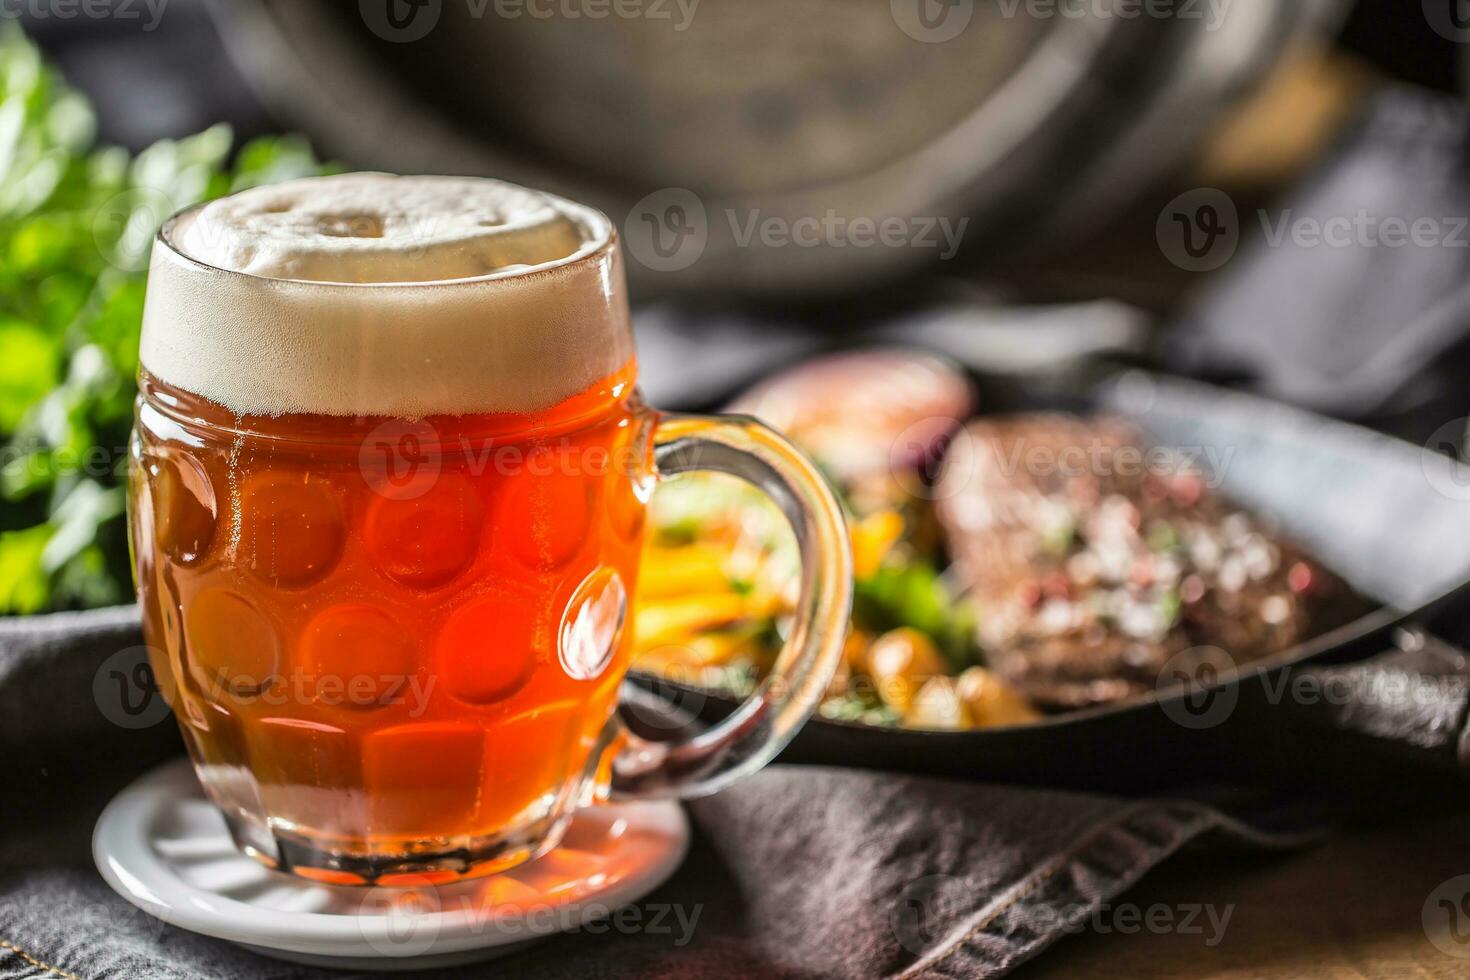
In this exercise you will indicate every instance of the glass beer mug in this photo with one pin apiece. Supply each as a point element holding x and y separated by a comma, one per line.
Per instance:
<point>387,494</point>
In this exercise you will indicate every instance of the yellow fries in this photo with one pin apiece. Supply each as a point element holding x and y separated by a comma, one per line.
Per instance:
<point>681,571</point>
<point>699,651</point>
<point>677,618</point>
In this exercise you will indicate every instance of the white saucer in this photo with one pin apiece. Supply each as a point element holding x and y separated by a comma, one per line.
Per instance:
<point>164,848</point>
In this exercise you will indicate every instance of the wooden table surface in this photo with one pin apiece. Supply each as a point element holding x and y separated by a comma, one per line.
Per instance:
<point>1352,907</point>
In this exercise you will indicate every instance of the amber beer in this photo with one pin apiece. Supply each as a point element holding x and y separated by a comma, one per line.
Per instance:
<point>353,642</point>
<point>389,475</point>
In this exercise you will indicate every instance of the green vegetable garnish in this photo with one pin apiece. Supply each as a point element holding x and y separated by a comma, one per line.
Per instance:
<point>912,593</point>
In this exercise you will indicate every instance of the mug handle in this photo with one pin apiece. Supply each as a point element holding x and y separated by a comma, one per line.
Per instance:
<point>756,731</point>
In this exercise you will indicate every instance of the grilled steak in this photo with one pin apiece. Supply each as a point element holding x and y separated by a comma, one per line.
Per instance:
<point>1098,561</point>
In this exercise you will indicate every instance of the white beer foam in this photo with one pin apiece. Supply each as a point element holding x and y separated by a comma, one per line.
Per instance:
<point>380,228</point>
<point>368,294</point>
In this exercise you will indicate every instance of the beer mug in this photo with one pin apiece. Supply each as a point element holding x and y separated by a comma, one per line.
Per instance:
<point>388,482</point>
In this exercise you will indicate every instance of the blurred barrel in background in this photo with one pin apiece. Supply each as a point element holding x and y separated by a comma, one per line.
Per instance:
<point>716,133</point>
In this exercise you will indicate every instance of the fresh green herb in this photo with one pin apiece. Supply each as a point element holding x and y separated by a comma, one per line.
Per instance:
<point>76,226</point>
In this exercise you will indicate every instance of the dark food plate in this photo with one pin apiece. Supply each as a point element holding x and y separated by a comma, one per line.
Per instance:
<point>1253,539</point>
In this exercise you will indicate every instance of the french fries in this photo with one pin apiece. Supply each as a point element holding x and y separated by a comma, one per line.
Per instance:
<point>680,619</point>
<point>712,596</point>
<point>676,572</point>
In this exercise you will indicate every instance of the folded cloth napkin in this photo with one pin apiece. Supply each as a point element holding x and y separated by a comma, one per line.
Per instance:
<point>798,871</point>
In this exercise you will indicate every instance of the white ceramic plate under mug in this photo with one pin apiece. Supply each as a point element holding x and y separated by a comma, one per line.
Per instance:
<point>162,846</point>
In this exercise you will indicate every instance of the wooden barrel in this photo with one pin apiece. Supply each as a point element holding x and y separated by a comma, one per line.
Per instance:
<point>776,146</point>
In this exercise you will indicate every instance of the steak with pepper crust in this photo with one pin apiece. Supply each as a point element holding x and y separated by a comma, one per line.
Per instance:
<point>1097,561</point>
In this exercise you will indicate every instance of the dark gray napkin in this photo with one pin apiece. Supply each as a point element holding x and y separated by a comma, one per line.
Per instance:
<point>809,872</point>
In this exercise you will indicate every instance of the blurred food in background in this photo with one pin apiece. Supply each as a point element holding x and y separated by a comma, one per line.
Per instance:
<point>1009,567</point>
<point>719,568</point>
